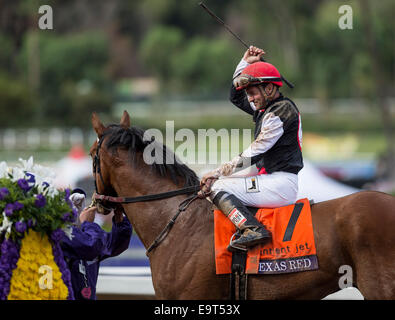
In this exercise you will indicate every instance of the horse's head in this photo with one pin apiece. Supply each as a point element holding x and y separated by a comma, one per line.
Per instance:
<point>103,161</point>
<point>119,160</point>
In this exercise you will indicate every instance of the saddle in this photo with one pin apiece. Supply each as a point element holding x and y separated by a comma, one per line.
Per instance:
<point>292,248</point>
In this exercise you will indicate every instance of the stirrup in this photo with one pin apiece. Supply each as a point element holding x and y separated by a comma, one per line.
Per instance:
<point>260,238</point>
<point>232,247</point>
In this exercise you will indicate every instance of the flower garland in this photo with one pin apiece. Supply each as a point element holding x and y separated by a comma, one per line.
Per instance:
<point>34,217</point>
<point>25,281</point>
<point>56,236</point>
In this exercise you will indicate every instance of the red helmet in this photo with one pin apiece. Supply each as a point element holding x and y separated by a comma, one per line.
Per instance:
<point>257,73</point>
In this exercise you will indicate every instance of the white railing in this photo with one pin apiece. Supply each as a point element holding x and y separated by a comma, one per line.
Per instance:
<point>125,281</point>
<point>51,138</point>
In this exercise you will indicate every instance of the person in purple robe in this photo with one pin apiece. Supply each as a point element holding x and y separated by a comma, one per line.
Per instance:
<point>90,245</point>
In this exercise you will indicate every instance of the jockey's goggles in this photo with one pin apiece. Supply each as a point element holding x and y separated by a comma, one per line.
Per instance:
<point>245,80</point>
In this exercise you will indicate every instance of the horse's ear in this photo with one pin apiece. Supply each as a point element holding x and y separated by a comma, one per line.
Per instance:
<point>97,124</point>
<point>125,120</point>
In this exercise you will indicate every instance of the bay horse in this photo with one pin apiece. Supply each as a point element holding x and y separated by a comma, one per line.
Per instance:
<point>357,230</point>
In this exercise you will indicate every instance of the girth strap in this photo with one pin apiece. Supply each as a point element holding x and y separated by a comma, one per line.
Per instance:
<point>238,277</point>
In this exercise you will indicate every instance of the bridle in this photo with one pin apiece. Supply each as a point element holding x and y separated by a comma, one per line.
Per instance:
<point>97,171</point>
<point>98,198</point>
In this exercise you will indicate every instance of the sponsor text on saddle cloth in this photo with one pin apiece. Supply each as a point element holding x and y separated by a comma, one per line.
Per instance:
<point>292,248</point>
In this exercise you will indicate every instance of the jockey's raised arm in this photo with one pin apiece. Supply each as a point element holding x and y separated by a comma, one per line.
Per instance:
<point>238,98</point>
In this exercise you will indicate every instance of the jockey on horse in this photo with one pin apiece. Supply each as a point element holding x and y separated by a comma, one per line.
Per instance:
<point>275,152</point>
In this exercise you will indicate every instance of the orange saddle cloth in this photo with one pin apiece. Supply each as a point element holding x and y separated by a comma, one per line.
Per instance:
<point>292,248</point>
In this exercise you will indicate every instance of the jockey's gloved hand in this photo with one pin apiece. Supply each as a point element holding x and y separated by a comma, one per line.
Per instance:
<point>208,176</point>
<point>205,188</point>
<point>228,168</point>
<point>253,54</point>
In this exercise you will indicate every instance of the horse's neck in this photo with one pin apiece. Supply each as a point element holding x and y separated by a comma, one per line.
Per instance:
<point>147,218</point>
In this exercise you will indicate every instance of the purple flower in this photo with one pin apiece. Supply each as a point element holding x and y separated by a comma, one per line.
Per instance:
<point>29,223</point>
<point>18,206</point>
<point>24,185</point>
<point>66,216</point>
<point>57,235</point>
<point>8,260</point>
<point>67,194</point>
<point>9,209</point>
<point>73,216</point>
<point>67,198</point>
<point>31,179</point>
<point>3,193</point>
<point>20,226</point>
<point>40,201</point>
<point>59,260</point>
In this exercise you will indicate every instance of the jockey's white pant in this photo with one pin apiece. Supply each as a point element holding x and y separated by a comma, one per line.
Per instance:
<point>265,190</point>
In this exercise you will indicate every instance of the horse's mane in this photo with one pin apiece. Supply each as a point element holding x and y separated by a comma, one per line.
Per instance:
<point>133,140</point>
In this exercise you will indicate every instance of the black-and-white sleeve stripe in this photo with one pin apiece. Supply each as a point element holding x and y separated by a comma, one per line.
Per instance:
<point>271,130</point>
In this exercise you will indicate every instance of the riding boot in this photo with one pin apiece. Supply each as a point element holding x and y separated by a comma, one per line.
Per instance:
<point>252,231</point>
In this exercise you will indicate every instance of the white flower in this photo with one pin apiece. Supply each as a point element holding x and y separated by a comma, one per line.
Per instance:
<point>17,173</point>
<point>6,226</point>
<point>40,188</point>
<point>68,230</point>
<point>7,234</point>
<point>43,174</point>
<point>27,165</point>
<point>52,192</point>
<point>48,190</point>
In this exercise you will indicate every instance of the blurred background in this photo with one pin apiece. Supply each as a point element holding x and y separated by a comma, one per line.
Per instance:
<point>170,58</point>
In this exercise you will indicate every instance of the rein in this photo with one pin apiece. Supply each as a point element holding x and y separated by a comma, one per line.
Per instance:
<point>149,197</point>
<point>97,198</point>
<point>182,207</point>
